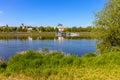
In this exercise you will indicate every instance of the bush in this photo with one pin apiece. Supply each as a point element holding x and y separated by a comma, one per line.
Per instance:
<point>89,55</point>
<point>35,64</point>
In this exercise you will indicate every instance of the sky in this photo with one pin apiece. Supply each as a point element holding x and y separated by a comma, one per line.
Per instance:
<point>49,12</point>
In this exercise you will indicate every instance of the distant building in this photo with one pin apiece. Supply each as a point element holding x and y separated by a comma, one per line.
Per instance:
<point>23,27</point>
<point>60,27</point>
<point>30,38</point>
<point>29,29</point>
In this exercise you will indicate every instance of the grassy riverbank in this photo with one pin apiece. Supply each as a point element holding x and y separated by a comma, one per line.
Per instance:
<point>33,65</point>
<point>24,34</point>
<point>20,35</point>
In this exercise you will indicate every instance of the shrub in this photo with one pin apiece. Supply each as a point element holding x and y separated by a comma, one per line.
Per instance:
<point>35,65</point>
<point>89,55</point>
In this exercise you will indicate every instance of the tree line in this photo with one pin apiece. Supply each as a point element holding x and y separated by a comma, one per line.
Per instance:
<point>45,29</point>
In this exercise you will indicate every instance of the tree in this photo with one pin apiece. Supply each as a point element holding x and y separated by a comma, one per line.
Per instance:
<point>41,29</point>
<point>49,29</point>
<point>74,29</point>
<point>5,29</point>
<point>89,28</point>
<point>108,23</point>
<point>56,29</point>
<point>19,29</point>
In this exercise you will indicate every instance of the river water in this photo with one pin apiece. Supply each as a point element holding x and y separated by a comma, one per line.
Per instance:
<point>77,46</point>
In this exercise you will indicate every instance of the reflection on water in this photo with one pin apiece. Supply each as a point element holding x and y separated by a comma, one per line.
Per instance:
<point>70,45</point>
<point>22,38</point>
<point>30,38</point>
<point>60,38</point>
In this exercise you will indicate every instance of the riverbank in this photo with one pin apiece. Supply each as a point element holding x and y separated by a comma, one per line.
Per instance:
<point>33,65</point>
<point>24,34</point>
<point>43,35</point>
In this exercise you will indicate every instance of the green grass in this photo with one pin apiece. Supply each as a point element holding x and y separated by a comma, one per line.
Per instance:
<point>42,35</point>
<point>34,65</point>
<point>25,34</point>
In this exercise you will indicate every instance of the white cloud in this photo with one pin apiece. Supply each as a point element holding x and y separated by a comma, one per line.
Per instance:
<point>1,12</point>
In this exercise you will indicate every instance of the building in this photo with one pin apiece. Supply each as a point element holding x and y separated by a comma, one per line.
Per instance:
<point>60,27</point>
<point>23,27</point>
<point>29,29</point>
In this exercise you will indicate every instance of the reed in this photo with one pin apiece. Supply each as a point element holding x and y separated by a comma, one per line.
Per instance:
<point>37,65</point>
<point>43,35</point>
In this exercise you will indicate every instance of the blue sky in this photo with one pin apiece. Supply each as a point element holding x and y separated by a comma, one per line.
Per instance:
<point>49,12</point>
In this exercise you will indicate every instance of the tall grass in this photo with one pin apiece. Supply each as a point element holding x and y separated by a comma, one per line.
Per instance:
<point>35,65</point>
<point>42,35</point>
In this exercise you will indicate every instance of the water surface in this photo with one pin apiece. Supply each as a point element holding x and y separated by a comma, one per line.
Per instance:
<point>76,46</point>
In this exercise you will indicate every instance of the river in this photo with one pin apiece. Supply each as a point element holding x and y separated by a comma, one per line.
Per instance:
<point>75,46</point>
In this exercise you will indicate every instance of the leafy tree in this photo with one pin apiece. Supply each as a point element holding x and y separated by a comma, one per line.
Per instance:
<point>56,29</point>
<point>5,29</point>
<point>89,28</point>
<point>108,23</point>
<point>19,29</point>
<point>74,29</point>
<point>14,29</point>
<point>41,29</point>
<point>34,29</point>
<point>49,29</point>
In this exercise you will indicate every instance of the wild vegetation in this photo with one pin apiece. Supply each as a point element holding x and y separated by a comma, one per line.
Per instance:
<point>108,25</point>
<point>44,35</point>
<point>44,29</point>
<point>32,65</point>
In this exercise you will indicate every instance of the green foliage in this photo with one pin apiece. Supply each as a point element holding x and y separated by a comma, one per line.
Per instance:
<point>45,49</point>
<point>39,65</point>
<point>3,65</point>
<point>108,24</point>
<point>80,29</point>
<point>41,29</point>
<point>46,29</point>
<point>89,55</point>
